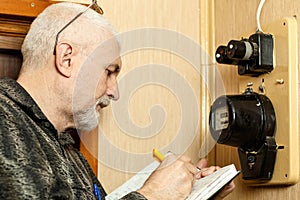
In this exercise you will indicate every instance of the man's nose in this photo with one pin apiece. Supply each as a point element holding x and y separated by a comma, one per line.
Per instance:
<point>113,92</point>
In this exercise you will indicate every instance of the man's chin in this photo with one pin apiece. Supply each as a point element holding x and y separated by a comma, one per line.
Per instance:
<point>87,121</point>
<point>87,126</point>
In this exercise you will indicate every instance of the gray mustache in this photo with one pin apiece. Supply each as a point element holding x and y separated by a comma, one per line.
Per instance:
<point>103,101</point>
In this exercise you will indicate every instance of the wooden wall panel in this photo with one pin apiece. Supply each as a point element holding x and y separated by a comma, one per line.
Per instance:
<point>233,19</point>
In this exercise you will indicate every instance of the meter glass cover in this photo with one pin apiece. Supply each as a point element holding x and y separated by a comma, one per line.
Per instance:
<point>221,118</point>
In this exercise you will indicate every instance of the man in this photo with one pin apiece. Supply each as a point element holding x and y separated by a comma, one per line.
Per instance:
<point>57,92</point>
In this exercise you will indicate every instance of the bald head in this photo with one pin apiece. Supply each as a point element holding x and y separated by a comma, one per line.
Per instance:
<point>85,32</point>
<point>83,70</point>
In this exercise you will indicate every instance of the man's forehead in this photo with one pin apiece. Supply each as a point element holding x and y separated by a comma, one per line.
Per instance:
<point>105,55</point>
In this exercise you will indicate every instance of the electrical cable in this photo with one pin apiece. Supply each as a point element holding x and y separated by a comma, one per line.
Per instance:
<point>261,4</point>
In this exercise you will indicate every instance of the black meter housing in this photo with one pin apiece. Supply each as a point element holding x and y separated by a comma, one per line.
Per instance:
<point>247,121</point>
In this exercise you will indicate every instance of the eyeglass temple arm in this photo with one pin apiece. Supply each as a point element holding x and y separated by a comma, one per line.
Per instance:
<point>63,28</point>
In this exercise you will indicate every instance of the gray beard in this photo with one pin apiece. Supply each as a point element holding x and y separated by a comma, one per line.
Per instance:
<point>88,119</point>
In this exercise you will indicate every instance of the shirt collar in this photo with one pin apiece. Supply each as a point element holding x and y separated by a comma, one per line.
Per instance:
<point>20,96</point>
<point>14,91</point>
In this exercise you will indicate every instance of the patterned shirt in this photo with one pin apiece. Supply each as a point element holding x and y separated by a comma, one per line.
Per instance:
<point>35,161</point>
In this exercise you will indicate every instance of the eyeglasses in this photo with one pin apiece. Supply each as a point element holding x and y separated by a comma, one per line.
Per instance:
<point>93,5</point>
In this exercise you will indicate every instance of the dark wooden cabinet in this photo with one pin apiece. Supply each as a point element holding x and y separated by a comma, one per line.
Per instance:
<point>15,19</point>
<point>10,63</point>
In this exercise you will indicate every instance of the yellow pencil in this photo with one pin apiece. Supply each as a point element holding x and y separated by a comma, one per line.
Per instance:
<point>159,156</point>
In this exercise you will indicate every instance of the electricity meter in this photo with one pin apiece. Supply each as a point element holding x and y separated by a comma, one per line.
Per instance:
<point>247,121</point>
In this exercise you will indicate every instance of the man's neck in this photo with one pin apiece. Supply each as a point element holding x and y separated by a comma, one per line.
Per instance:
<point>43,90</point>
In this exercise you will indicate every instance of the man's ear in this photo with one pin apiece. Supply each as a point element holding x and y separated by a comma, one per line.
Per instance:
<point>63,59</point>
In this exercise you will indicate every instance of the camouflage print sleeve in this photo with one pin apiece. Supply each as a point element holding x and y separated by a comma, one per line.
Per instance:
<point>133,196</point>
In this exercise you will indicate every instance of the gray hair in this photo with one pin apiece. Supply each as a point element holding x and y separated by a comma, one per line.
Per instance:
<point>39,43</point>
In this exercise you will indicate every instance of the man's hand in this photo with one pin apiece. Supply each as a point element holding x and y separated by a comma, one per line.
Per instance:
<point>173,179</point>
<point>205,171</point>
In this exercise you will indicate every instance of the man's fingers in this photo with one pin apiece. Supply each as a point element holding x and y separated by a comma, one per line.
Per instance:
<point>192,168</point>
<point>202,164</point>
<point>209,170</point>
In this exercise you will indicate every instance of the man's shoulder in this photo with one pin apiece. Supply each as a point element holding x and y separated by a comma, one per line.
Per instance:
<point>6,83</point>
<point>11,111</point>
<point>7,90</point>
<point>13,98</point>
<point>7,103</point>
<point>7,106</point>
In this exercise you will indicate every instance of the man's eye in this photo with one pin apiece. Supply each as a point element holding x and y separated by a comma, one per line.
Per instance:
<point>109,72</point>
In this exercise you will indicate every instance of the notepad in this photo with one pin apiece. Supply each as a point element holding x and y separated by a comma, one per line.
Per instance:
<point>208,186</point>
<point>203,188</point>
